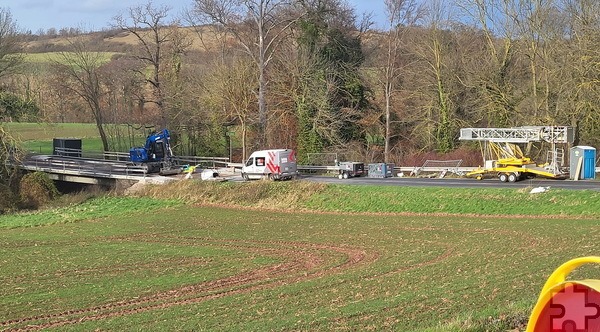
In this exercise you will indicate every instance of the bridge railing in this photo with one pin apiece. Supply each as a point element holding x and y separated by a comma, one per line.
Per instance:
<point>82,167</point>
<point>104,155</point>
<point>203,161</point>
<point>124,157</point>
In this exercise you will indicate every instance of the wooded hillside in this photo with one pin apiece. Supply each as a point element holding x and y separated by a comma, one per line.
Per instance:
<point>311,75</point>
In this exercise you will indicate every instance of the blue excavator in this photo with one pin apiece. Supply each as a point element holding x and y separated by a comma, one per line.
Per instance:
<point>156,154</point>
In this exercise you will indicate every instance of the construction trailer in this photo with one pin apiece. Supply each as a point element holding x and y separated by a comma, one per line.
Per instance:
<point>350,169</point>
<point>504,158</point>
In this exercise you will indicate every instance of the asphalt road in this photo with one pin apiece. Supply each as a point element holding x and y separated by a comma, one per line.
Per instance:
<point>97,168</point>
<point>460,182</point>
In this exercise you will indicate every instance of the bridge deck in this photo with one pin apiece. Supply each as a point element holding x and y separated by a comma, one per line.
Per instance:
<point>84,167</point>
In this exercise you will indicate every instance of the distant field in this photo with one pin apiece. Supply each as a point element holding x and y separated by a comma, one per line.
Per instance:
<point>56,56</point>
<point>45,147</point>
<point>41,63</point>
<point>149,264</point>
<point>209,38</point>
<point>48,131</point>
<point>37,137</point>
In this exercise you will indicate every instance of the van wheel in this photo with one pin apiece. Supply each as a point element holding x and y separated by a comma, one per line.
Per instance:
<point>271,177</point>
<point>245,176</point>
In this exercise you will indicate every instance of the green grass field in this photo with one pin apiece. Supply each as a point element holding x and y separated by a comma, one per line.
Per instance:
<point>49,57</point>
<point>37,137</point>
<point>162,264</point>
<point>48,131</point>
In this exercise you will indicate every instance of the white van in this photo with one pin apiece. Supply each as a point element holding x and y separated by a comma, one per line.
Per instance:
<point>277,164</point>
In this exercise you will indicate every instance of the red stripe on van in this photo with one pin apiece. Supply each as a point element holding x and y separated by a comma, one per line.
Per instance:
<point>271,166</point>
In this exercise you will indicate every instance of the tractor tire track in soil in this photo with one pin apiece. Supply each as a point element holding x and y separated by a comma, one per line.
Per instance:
<point>108,270</point>
<point>300,262</point>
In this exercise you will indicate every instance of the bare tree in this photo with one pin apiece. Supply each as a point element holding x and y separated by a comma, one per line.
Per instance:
<point>582,103</point>
<point>533,22</point>
<point>123,91</point>
<point>159,41</point>
<point>10,59</point>
<point>494,77</point>
<point>79,73</point>
<point>231,87</point>
<point>400,14</point>
<point>10,47</point>
<point>257,26</point>
<point>438,121</point>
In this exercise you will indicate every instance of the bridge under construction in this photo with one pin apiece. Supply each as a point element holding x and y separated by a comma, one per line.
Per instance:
<point>501,149</point>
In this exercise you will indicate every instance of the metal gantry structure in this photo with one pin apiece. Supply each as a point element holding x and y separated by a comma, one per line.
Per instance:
<point>503,157</point>
<point>550,134</point>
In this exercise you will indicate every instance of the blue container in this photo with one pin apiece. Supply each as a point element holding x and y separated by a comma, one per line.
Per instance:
<point>587,155</point>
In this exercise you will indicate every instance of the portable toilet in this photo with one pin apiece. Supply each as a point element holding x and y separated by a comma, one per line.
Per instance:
<point>583,163</point>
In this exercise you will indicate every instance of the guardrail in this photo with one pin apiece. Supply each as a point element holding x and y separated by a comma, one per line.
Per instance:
<point>333,168</point>
<point>415,169</point>
<point>408,169</point>
<point>203,161</point>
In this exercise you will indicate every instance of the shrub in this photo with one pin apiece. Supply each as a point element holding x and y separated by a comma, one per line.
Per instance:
<point>9,200</point>
<point>260,193</point>
<point>37,189</point>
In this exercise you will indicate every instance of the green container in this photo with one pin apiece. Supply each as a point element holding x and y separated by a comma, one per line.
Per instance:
<point>381,170</point>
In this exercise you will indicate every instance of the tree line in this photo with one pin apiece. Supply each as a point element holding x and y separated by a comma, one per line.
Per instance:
<point>315,76</point>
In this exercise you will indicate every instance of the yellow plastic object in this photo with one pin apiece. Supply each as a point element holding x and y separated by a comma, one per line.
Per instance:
<point>568,305</point>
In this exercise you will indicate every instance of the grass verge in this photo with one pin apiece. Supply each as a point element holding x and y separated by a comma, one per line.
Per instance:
<point>384,199</point>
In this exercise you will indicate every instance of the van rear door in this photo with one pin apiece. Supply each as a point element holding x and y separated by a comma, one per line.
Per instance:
<point>288,162</point>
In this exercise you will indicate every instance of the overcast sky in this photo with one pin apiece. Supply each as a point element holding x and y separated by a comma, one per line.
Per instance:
<point>88,15</point>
